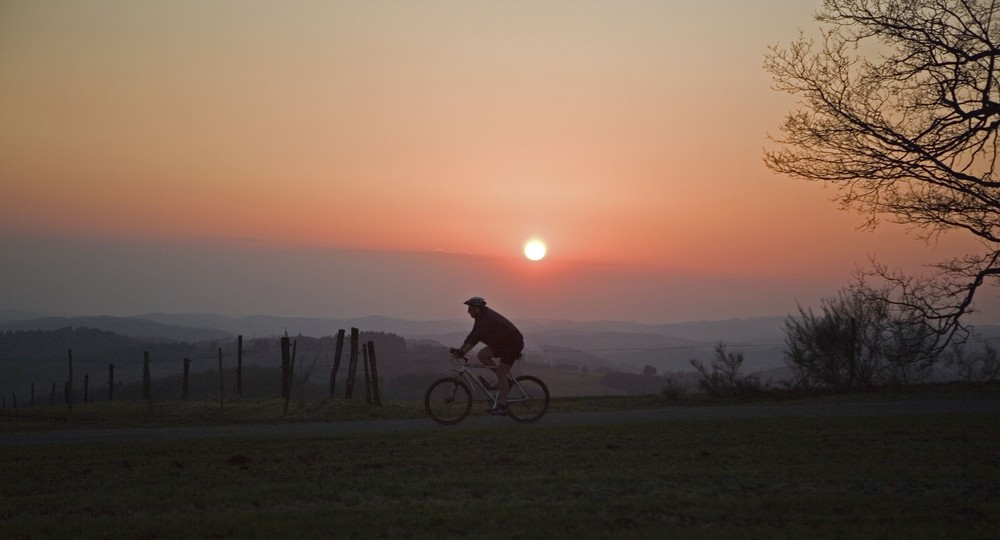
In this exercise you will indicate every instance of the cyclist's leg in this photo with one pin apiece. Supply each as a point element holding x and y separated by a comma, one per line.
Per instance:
<point>486,355</point>
<point>503,385</point>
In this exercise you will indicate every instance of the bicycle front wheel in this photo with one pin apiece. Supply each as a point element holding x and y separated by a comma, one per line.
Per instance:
<point>528,400</point>
<point>448,401</point>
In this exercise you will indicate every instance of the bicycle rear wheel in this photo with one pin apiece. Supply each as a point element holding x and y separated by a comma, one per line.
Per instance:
<point>448,401</point>
<point>528,400</point>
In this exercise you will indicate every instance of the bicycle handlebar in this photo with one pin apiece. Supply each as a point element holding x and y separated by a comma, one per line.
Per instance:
<point>457,356</point>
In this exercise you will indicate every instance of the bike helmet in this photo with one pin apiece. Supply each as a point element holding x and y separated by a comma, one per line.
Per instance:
<point>476,301</point>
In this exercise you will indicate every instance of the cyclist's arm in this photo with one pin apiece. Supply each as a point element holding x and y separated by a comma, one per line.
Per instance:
<point>474,337</point>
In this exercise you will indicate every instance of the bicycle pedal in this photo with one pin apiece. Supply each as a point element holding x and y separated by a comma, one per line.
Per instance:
<point>498,411</point>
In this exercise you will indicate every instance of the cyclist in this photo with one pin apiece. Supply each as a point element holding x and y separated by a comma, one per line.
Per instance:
<point>502,339</point>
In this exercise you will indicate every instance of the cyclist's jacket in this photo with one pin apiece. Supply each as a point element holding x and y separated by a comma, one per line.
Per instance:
<point>497,333</point>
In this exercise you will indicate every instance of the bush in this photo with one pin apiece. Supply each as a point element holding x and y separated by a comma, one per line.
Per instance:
<point>979,366</point>
<point>673,390</point>
<point>860,340</point>
<point>724,379</point>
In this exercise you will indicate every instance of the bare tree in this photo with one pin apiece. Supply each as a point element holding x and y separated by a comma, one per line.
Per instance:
<point>839,347</point>
<point>859,340</point>
<point>900,106</point>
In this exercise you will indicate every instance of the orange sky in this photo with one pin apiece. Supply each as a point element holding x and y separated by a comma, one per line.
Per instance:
<point>627,135</point>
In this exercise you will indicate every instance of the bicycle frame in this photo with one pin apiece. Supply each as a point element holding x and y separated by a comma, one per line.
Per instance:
<point>464,372</point>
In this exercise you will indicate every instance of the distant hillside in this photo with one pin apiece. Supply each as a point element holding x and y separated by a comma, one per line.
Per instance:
<point>266,325</point>
<point>40,355</point>
<point>19,315</point>
<point>751,330</point>
<point>125,326</point>
<point>734,331</point>
<point>766,329</point>
<point>626,345</point>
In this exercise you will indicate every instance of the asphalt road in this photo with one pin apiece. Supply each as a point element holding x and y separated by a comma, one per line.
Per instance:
<point>320,429</point>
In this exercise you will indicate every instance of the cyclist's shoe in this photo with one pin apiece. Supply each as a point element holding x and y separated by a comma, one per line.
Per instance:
<point>498,410</point>
<point>487,384</point>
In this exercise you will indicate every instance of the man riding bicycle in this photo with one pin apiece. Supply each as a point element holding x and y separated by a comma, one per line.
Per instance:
<point>502,339</point>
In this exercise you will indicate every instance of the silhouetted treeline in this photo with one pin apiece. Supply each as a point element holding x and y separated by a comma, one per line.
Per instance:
<point>88,344</point>
<point>42,356</point>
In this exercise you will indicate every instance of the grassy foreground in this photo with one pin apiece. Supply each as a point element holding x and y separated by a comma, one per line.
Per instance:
<point>933,476</point>
<point>272,410</point>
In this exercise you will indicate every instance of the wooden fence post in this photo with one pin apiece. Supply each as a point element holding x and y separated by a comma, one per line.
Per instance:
<point>371,358</point>
<point>336,360</point>
<point>352,366</point>
<point>187,373</point>
<point>222,392</point>
<point>86,387</point>
<point>145,375</point>
<point>111,381</point>
<point>239,366</point>
<point>291,374</point>
<point>368,380</point>
<point>286,360</point>
<point>69,384</point>
<point>147,393</point>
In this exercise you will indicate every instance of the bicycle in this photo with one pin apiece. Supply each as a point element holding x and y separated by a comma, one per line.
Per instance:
<point>449,400</point>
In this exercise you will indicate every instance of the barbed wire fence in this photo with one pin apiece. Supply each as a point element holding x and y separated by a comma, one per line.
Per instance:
<point>136,376</point>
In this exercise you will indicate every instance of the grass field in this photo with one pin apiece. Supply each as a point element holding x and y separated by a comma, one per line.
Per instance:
<point>913,476</point>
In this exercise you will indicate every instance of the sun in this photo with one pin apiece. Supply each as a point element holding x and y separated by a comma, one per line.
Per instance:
<point>534,249</point>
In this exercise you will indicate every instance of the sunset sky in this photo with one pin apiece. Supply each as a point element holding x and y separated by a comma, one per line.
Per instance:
<point>343,159</point>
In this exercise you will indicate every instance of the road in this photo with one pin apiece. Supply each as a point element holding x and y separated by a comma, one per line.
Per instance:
<point>319,429</point>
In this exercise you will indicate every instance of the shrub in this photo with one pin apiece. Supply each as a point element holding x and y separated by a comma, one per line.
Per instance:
<point>979,366</point>
<point>724,379</point>
<point>860,340</point>
<point>673,389</point>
